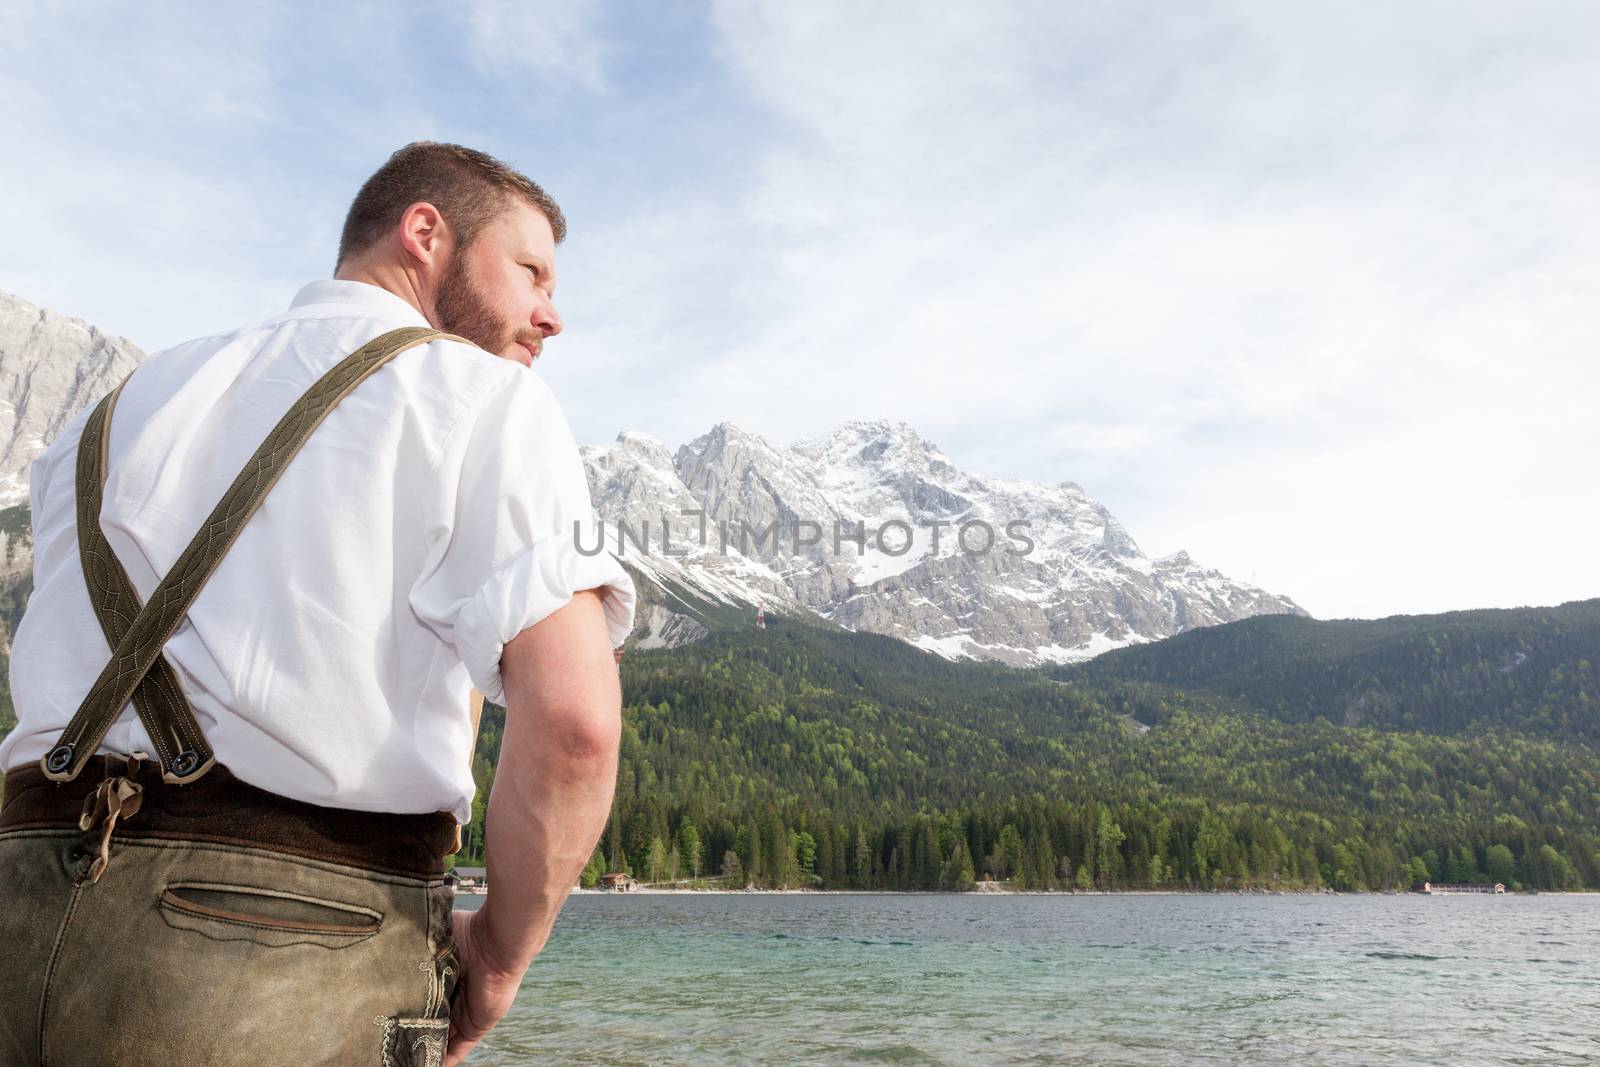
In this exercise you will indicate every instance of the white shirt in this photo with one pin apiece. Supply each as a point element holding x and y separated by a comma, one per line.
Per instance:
<point>427,521</point>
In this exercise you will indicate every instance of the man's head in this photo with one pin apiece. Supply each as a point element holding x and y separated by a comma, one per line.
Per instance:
<point>464,238</point>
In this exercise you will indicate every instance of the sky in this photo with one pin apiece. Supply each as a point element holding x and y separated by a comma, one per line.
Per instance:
<point>1308,290</point>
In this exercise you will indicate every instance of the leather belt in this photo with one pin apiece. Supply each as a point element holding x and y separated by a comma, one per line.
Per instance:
<point>125,797</point>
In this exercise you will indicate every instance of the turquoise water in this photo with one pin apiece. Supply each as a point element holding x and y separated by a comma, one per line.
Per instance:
<point>943,979</point>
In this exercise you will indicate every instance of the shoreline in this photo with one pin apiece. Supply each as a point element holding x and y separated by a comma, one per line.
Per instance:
<point>642,891</point>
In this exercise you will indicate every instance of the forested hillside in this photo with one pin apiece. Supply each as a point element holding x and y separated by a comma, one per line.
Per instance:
<point>801,755</point>
<point>1534,670</point>
<point>796,755</point>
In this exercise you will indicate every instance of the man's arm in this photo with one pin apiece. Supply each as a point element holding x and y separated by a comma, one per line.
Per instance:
<point>556,777</point>
<point>552,793</point>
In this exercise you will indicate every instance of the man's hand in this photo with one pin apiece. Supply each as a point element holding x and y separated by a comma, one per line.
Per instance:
<point>484,991</point>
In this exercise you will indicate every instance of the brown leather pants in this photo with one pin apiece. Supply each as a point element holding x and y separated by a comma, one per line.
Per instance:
<point>228,926</point>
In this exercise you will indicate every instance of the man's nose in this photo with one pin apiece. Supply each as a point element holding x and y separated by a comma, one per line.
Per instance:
<point>546,319</point>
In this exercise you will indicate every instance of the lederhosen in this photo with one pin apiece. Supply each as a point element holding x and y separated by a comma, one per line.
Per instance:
<point>195,797</point>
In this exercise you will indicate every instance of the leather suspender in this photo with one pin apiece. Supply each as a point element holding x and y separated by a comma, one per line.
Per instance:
<point>136,642</point>
<point>180,746</point>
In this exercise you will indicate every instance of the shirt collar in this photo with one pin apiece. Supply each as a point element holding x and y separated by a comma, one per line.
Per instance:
<point>373,299</point>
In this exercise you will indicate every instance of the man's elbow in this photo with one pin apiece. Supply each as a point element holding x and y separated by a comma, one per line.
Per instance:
<point>591,735</point>
<point>562,685</point>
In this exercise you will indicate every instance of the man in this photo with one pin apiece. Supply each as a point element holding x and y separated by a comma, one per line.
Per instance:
<point>243,863</point>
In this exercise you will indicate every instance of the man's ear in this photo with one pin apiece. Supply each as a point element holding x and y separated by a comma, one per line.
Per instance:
<point>424,234</point>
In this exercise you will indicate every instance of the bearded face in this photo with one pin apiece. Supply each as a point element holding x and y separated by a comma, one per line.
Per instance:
<point>496,288</point>
<point>462,309</point>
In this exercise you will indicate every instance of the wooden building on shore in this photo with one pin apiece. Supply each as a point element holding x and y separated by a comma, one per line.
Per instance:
<point>468,879</point>
<point>1441,887</point>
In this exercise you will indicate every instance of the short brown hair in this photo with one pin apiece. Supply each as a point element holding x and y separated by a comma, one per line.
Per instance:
<point>467,186</point>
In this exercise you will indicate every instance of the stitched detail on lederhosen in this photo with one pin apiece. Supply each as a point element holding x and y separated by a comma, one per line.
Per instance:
<point>141,643</point>
<point>162,707</point>
<point>413,1041</point>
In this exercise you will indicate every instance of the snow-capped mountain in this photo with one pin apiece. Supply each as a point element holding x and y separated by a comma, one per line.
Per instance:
<point>870,527</point>
<point>874,528</point>
<point>51,367</point>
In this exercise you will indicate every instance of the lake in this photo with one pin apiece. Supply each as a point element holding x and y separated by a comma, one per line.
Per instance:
<point>1113,979</point>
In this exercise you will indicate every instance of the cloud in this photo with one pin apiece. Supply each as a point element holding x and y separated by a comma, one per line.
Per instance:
<point>1309,292</point>
<point>1288,289</point>
<point>107,207</point>
<point>183,170</point>
<point>556,39</point>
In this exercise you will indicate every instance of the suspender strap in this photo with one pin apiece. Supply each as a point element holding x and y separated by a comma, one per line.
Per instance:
<point>140,645</point>
<point>181,748</point>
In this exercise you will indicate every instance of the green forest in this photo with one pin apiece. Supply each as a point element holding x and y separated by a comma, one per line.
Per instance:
<point>802,756</point>
<point>1534,670</point>
<point>1273,753</point>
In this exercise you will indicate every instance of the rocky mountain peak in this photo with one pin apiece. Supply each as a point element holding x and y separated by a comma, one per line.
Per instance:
<point>51,367</point>
<point>960,564</point>
<point>637,447</point>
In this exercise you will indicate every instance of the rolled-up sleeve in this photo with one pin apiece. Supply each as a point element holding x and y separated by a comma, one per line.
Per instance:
<point>511,532</point>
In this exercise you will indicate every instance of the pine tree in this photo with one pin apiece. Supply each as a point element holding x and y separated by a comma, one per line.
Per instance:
<point>1008,858</point>
<point>928,859</point>
<point>804,847</point>
<point>655,864</point>
<point>1108,836</point>
<point>752,858</point>
<point>963,877</point>
<point>776,855</point>
<point>616,858</point>
<point>592,872</point>
<point>689,847</point>
<point>1500,864</point>
<point>862,875</point>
